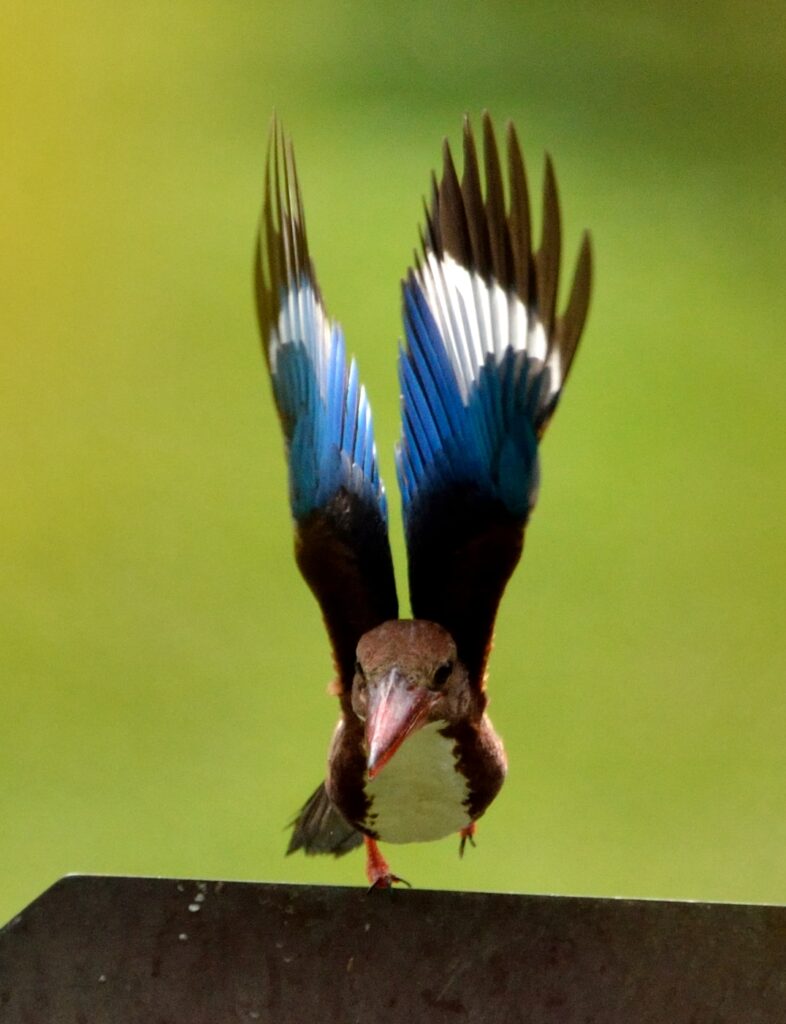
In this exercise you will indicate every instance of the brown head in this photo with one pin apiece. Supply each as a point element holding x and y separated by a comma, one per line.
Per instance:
<point>407,675</point>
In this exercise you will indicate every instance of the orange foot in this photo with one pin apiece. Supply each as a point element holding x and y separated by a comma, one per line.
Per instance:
<point>377,870</point>
<point>467,833</point>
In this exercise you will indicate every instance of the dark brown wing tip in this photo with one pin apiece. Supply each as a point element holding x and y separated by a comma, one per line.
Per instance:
<point>548,256</point>
<point>447,156</point>
<point>549,177</point>
<point>263,266</point>
<point>468,215</point>
<point>512,140</point>
<point>468,141</point>
<point>496,217</point>
<point>474,207</point>
<point>489,139</point>
<point>571,323</point>
<point>282,252</point>
<point>452,216</point>
<point>519,219</point>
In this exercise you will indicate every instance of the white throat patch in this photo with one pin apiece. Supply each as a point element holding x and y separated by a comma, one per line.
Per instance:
<point>419,795</point>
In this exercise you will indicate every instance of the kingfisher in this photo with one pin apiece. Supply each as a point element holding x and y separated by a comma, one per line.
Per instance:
<point>414,756</point>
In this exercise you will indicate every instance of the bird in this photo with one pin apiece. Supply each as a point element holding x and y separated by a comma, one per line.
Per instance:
<point>414,756</point>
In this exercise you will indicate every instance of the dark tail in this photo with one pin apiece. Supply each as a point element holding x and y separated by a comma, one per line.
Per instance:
<point>320,828</point>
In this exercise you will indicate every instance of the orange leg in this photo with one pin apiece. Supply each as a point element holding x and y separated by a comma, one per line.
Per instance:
<point>377,870</point>
<point>467,833</point>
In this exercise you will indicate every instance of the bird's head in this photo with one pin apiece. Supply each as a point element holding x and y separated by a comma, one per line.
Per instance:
<point>407,674</point>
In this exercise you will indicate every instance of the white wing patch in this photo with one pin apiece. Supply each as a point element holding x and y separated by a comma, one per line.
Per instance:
<point>478,318</point>
<point>302,319</point>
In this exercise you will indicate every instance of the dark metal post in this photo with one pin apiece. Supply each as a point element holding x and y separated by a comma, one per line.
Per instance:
<point>95,950</point>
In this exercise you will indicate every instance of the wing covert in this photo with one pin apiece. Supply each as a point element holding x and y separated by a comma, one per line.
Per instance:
<point>485,362</point>
<point>337,498</point>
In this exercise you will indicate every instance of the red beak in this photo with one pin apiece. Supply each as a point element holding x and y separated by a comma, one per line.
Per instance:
<point>396,708</point>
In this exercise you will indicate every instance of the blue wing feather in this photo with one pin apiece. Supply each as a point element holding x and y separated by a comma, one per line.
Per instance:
<point>487,440</point>
<point>424,338</point>
<point>326,417</point>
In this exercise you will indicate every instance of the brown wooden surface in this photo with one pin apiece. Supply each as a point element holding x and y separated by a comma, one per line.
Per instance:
<point>161,951</point>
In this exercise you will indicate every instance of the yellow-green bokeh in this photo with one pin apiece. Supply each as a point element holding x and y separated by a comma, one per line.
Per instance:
<point>162,666</point>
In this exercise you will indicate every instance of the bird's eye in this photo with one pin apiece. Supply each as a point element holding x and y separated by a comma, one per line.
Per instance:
<point>442,675</point>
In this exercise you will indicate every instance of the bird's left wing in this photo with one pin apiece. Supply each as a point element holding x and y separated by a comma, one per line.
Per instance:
<point>337,498</point>
<point>486,359</point>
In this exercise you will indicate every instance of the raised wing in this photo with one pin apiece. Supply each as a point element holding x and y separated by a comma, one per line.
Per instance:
<point>337,498</point>
<point>481,375</point>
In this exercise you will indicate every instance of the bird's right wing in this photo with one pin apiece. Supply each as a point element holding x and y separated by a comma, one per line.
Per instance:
<point>337,498</point>
<point>486,359</point>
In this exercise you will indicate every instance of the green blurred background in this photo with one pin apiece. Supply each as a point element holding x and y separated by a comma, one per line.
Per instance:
<point>162,665</point>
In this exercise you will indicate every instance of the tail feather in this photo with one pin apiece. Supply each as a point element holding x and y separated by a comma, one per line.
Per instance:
<point>320,828</point>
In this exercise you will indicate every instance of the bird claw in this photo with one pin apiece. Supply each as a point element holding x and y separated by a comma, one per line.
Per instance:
<point>377,870</point>
<point>467,833</point>
<point>387,881</point>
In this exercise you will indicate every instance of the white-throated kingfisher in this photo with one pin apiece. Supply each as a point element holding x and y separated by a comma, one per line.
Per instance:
<point>414,756</point>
